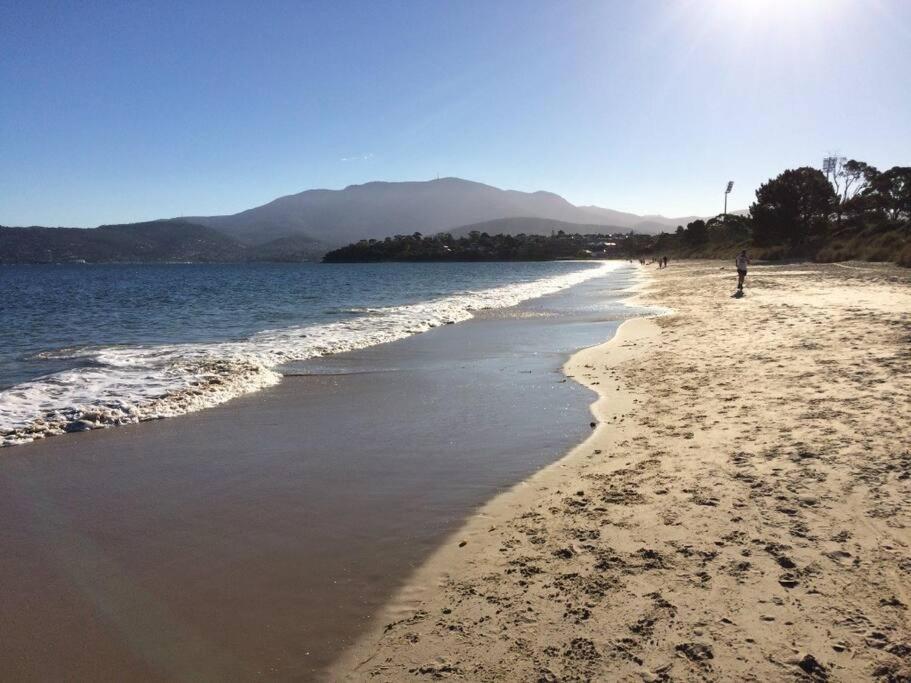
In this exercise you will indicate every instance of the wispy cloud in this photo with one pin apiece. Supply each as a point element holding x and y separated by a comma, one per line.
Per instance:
<point>358,157</point>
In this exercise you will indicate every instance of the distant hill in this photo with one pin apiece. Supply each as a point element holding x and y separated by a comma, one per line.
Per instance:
<point>287,249</point>
<point>635,222</point>
<point>380,209</point>
<point>151,242</point>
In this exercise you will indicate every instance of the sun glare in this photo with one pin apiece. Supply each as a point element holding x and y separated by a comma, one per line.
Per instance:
<point>768,30</point>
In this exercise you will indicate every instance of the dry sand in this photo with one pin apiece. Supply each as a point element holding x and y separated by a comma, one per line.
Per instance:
<point>741,511</point>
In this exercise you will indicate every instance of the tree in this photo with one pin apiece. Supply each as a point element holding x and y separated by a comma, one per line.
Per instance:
<point>794,207</point>
<point>891,191</point>
<point>696,232</point>
<point>857,176</point>
<point>836,173</point>
<point>728,228</point>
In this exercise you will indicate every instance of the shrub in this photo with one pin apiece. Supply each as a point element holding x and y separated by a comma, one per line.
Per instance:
<point>832,253</point>
<point>904,257</point>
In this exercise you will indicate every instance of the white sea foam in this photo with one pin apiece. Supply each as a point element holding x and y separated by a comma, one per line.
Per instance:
<point>122,384</point>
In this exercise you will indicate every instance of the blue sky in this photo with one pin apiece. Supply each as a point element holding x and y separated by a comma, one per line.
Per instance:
<point>113,112</point>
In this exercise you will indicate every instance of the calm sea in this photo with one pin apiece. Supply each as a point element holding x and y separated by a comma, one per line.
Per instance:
<point>85,346</point>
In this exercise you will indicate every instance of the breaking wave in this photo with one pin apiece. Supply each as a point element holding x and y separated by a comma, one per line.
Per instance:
<point>117,385</point>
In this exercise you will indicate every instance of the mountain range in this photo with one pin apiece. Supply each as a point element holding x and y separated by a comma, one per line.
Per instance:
<point>379,209</point>
<point>303,226</point>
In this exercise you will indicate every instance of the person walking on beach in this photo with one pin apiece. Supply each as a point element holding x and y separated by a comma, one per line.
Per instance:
<point>742,261</point>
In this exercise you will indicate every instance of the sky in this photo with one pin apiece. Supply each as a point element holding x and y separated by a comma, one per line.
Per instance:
<point>118,112</point>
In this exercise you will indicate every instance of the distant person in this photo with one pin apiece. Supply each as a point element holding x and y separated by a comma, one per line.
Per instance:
<point>742,261</point>
<point>665,262</point>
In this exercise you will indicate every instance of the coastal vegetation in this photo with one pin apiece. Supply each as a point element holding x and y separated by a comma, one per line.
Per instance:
<point>856,213</point>
<point>475,246</point>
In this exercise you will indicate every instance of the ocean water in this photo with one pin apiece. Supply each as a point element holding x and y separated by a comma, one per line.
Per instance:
<point>88,346</point>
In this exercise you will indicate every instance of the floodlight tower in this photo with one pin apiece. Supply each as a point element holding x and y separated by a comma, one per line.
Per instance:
<point>727,191</point>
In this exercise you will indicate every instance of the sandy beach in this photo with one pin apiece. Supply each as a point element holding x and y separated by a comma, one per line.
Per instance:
<point>739,512</point>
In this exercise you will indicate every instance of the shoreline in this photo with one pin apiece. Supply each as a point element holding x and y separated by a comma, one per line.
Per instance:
<point>741,512</point>
<point>274,526</point>
<point>610,405</point>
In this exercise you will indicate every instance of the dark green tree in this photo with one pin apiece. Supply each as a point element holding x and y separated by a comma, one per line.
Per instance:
<point>793,208</point>
<point>696,232</point>
<point>891,193</point>
<point>728,228</point>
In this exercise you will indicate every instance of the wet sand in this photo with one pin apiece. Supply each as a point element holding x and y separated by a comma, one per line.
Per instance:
<point>258,538</point>
<point>741,513</point>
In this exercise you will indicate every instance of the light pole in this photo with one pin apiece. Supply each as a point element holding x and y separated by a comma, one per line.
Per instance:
<point>727,191</point>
